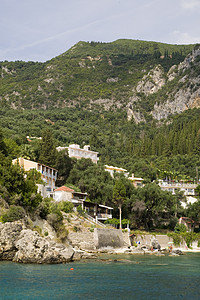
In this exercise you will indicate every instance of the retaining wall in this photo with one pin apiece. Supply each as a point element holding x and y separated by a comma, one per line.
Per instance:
<point>163,240</point>
<point>108,238</point>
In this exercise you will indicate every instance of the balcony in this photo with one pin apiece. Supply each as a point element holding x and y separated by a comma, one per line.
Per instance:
<point>104,216</point>
<point>177,185</point>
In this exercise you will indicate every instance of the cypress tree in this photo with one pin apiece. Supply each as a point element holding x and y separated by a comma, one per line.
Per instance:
<point>47,149</point>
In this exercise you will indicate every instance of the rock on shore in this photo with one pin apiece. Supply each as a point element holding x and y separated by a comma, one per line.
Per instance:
<point>27,246</point>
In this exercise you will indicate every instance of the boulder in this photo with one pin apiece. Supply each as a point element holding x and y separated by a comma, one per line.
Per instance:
<point>9,233</point>
<point>177,252</point>
<point>32,248</point>
<point>155,244</point>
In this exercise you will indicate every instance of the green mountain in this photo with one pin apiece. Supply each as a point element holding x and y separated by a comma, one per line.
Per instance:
<point>139,77</point>
<point>137,103</point>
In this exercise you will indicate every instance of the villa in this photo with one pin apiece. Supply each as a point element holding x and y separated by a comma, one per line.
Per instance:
<point>74,150</point>
<point>48,174</point>
<point>187,188</point>
<point>137,181</point>
<point>115,170</point>
<point>96,211</point>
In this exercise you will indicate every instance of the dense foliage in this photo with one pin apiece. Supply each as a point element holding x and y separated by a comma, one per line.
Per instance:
<point>54,104</point>
<point>85,73</point>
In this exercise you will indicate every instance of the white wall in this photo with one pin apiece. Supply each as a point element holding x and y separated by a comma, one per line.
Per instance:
<point>62,196</point>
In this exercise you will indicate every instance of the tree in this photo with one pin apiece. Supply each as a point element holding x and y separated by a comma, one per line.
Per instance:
<point>93,180</point>
<point>193,211</point>
<point>63,165</point>
<point>157,202</point>
<point>119,194</point>
<point>47,149</point>
<point>197,190</point>
<point>2,143</point>
<point>178,198</point>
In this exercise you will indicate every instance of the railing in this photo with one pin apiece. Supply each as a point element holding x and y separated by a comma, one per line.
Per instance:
<point>178,185</point>
<point>93,220</point>
<point>104,216</point>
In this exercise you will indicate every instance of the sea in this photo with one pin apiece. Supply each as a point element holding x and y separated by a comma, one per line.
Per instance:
<point>109,277</point>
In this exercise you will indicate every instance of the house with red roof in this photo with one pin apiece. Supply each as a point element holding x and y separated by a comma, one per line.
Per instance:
<point>65,193</point>
<point>97,211</point>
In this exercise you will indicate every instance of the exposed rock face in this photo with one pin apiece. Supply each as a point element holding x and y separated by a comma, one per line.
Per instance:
<point>34,249</point>
<point>137,116</point>
<point>27,246</point>
<point>182,101</point>
<point>188,60</point>
<point>187,96</point>
<point>151,82</point>
<point>171,73</point>
<point>9,233</point>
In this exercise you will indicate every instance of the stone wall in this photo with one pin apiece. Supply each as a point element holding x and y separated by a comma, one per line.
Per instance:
<point>100,238</point>
<point>108,238</point>
<point>163,240</point>
<point>82,240</point>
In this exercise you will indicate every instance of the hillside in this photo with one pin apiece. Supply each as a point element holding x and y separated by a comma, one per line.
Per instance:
<point>135,102</point>
<point>143,79</point>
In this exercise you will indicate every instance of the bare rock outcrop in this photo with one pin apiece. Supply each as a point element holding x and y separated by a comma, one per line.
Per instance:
<point>151,82</point>
<point>187,95</point>
<point>32,248</point>
<point>182,100</point>
<point>27,246</point>
<point>9,233</point>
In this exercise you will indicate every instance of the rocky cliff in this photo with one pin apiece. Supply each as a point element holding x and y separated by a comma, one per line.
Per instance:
<point>174,92</point>
<point>23,245</point>
<point>141,78</point>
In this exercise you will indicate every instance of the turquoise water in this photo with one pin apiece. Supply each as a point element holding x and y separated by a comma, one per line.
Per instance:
<point>132,277</point>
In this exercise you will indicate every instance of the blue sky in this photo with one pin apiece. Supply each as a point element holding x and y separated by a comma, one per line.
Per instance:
<point>38,30</point>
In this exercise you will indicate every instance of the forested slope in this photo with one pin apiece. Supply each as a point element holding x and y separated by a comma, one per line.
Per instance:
<point>127,74</point>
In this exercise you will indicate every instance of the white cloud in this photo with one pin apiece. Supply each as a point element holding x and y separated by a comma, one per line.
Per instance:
<point>184,38</point>
<point>190,4</point>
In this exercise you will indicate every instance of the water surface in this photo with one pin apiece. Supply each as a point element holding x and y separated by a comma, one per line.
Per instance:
<point>130,277</point>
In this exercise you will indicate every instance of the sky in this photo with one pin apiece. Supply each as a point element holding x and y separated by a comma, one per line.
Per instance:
<point>39,30</point>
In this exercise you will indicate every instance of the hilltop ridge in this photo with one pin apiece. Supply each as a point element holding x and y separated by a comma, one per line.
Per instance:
<point>139,77</point>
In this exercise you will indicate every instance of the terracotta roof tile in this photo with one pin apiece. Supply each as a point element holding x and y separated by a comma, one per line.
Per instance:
<point>64,188</point>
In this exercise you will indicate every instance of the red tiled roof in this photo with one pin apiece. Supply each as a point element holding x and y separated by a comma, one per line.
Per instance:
<point>64,188</point>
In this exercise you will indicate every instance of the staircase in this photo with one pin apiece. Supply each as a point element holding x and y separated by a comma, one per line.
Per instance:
<point>93,221</point>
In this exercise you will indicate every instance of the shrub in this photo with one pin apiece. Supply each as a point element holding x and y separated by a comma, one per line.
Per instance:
<point>14,213</point>
<point>76,228</point>
<point>92,228</point>
<point>180,228</point>
<point>44,208</point>
<point>80,210</point>
<point>66,206</point>
<point>55,219</point>
<point>38,229</point>
<point>62,233</point>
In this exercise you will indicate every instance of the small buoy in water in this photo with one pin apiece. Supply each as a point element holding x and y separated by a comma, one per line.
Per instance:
<point>72,269</point>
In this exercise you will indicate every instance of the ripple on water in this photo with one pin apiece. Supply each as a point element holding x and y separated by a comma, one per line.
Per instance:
<point>123,277</point>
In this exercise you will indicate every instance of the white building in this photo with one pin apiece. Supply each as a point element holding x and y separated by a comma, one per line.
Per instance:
<point>113,170</point>
<point>189,200</point>
<point>136,181</point>
<point>48,174</point>
<point>187,188</point>
<point>64,193</point>
<point>98,212</point>
<point>74,150</point>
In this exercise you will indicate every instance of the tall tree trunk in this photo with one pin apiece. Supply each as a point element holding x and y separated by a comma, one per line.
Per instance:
<point>120,216</point>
